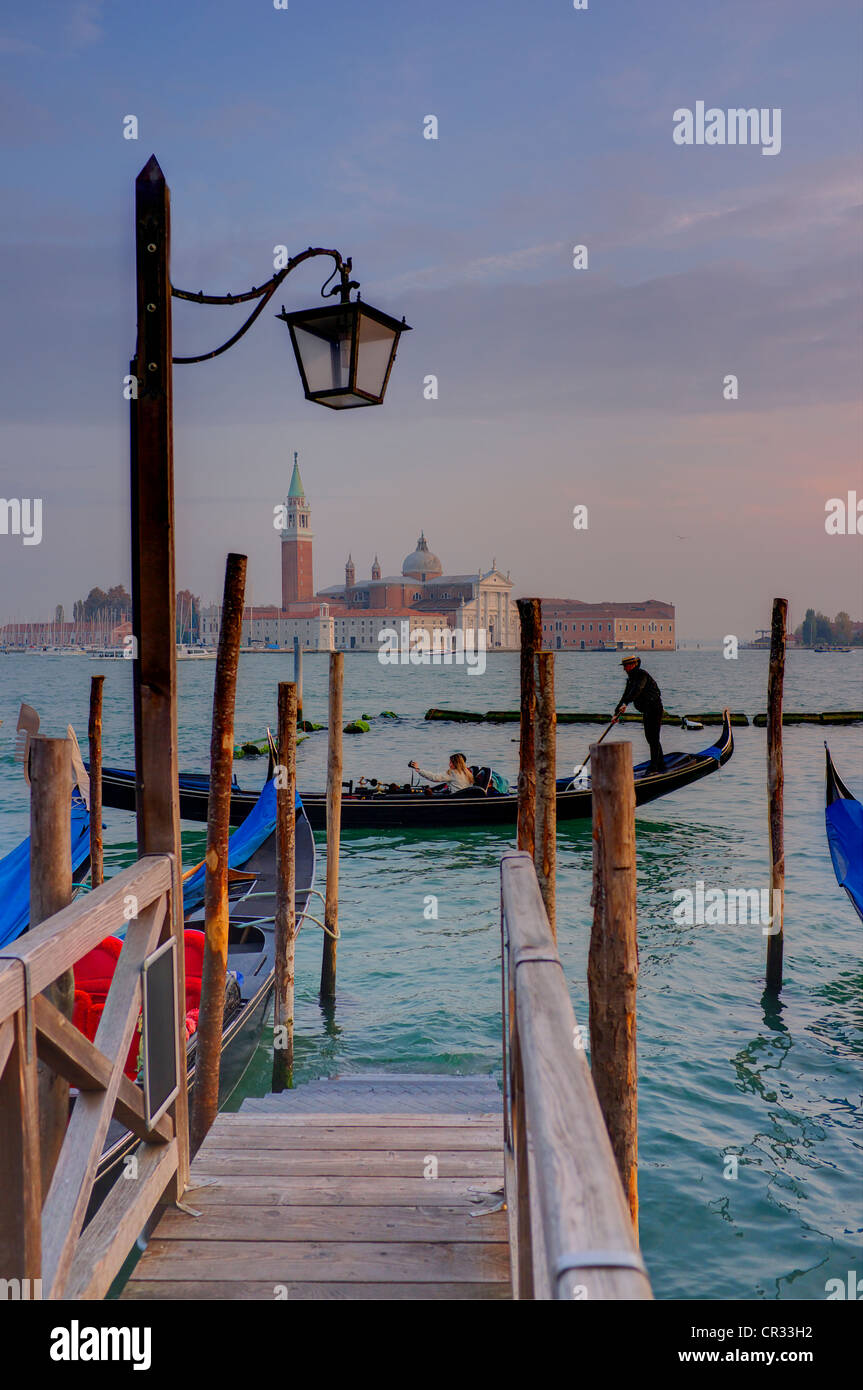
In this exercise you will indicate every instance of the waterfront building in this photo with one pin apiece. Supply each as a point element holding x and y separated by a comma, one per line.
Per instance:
<point>569,624</point>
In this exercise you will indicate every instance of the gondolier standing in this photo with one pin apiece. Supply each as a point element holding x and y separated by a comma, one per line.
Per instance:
<point>643,692</point>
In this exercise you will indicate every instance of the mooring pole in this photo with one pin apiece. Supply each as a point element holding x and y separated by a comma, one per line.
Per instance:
<point>612,972</point>
<point>94,736</point>
<point>154,648</point>
<point>334,825</point>
<point>298,676</point>
<point>51,890</point>
<point>205,1101</point>
<point>776,795</point>
<point>545,849</point>
<point>286,887</point>
<point>529,612</point>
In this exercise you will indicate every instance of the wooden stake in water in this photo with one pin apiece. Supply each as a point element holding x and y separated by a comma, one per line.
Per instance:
<point>205,1101</point>
<point>529,611</point>
<point>298,676</point>
<point>776,794</point>
<point>94,735</point>
<point>334,825</point>
<point>286,887</point>
<point>612,971</point>
<point>51,890</point>
<point>545,851</point>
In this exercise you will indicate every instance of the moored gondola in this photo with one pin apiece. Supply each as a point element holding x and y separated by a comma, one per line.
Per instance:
<point>844,817</point>
<point>251,954</point>
<point>389,807</point>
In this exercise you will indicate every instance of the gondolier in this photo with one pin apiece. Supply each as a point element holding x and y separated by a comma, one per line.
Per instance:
<point>642,691</point>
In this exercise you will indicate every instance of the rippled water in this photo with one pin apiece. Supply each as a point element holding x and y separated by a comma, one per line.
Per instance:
<point>720,1070</point>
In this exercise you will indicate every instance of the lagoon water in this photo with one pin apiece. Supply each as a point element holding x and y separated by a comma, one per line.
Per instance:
<point>721,1071</point>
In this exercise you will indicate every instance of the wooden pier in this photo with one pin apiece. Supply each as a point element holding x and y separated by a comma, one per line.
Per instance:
<point>298,1203</point>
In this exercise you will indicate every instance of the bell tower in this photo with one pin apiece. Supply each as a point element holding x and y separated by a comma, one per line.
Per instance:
<point>297,582</point>
<point>350,573</point>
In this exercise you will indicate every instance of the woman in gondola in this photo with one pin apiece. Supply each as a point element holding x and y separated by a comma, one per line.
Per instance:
<point>457,778</point>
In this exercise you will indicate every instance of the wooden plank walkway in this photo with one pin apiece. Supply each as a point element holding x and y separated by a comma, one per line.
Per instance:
<point>338,1205</point>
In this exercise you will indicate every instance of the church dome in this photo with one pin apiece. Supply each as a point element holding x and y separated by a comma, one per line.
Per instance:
<point>422,563</point>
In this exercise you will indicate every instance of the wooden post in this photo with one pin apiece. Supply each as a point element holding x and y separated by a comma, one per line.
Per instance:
<point>776,794</point>
<point>205,1103</point>
<point>298,677</point>
<point>51,890</point>
<point>545,849</point>
<point>154,649</point>
<point>612,971</point>
<point>334,824</point>
<point>286,885</point>
<point>529,612</point>
<point>94,735</point>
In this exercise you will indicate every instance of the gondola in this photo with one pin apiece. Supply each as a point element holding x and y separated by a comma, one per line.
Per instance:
<point>15,872</point>
<point>251,953</point>
<point>844,818</point>
<point>379,807</point>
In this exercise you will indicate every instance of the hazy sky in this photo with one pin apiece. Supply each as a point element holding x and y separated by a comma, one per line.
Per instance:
<point>558,386</point>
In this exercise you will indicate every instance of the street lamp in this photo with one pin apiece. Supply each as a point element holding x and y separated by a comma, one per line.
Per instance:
<point>345,351</point>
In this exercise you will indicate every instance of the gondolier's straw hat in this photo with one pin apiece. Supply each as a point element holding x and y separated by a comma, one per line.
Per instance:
<point>629,656</point>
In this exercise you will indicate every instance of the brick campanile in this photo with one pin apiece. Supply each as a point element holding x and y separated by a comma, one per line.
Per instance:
<point>297,583</point>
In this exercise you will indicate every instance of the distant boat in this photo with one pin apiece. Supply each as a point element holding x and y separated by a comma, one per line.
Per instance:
<point>107,654</point>
<point>186,652</point>
<point>844,818</point>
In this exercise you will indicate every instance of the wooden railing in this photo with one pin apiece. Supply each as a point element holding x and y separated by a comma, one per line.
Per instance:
<point>47,1240</point>
<point>571,1234</point>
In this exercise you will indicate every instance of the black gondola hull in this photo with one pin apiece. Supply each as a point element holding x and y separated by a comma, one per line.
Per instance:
<point>417,810</point>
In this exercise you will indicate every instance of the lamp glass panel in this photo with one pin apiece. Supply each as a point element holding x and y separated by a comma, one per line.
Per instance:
<point>324,346</point>
<point>376,344</point>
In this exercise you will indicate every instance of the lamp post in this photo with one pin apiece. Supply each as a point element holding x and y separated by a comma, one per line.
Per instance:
<point>358,342</point>
<point>344,353</point>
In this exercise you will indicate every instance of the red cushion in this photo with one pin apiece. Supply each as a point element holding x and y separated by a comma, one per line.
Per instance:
<point>95,971</point>
<point>194,942</point>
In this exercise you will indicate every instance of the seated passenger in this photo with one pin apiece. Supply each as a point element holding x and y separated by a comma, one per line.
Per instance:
<point>458,775</point>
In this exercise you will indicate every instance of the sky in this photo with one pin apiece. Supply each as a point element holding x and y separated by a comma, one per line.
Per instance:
<point>557,387</point>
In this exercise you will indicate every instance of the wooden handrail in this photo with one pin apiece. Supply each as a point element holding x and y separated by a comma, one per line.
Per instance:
<point>46,1240</point>
<point>51,948</point>
<point>570,1227</point>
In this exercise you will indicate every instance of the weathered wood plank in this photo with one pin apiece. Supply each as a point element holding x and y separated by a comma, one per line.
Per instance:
<point>367,1223</point>
<point>265,1291</point>
<point>480,1120</point>
<point>357,1138</point>
<point>349,1261</point>
<point>320,1162</point>
<point>257,1190</point>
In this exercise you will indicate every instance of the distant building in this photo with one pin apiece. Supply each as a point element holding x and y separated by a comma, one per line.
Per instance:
<point>568,624</point>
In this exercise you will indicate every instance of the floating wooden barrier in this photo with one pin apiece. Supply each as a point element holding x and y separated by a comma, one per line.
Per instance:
<point>512,716</point>
<point>850,716</point>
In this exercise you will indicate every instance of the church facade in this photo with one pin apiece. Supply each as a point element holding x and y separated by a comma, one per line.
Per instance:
<point>421,594</point>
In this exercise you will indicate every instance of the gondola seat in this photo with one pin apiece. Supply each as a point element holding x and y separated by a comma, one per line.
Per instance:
<point>94,974</point>
<point>194,957</point>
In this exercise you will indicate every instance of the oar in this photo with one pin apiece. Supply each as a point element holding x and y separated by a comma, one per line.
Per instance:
<point>579,770</point>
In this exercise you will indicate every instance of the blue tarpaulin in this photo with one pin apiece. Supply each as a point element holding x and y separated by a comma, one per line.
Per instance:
<point>246,839</point>
<point>15,874</point>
